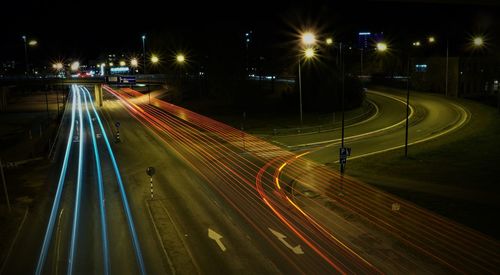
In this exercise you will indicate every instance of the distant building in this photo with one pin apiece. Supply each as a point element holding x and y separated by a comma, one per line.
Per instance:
<point>367,39</point>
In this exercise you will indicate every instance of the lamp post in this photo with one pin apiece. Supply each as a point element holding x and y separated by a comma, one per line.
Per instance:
<point>26,54</point>
<point>382,47</point>
<point>57,67</point>
<point>134,63</point>
<point>154,61</point>
<point>180,59</point>
<point>308,39</point>
<point>144,53</point>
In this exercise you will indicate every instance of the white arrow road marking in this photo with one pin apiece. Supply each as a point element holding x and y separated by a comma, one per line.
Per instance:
<point>216,237</point>
<point>297,249</point>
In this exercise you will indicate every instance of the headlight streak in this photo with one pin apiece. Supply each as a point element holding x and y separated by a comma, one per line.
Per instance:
<point>373,203</point>
<point>223,177</point>
<point>232,135</point>
<point>102,206</point>
<point>126,207</point>
<point>181,139</point>
<point>78,195</point>
<point>60,185</point>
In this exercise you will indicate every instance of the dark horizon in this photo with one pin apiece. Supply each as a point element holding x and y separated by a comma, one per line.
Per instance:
<point>87,31</point>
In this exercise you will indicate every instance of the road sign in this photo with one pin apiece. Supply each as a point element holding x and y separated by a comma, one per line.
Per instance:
<point>117,124</point>
<point>150,171</point>
<point>127,79</point>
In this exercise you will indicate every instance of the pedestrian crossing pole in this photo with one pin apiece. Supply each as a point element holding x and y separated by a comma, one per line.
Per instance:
<point>117,124</point>
<point>151,171</point>
<point>151,184</point>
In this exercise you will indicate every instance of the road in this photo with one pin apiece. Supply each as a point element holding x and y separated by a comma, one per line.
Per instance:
<point>242,173</point>
<point>222,201</point>
<point>85,225</point>
<point>430,117</point>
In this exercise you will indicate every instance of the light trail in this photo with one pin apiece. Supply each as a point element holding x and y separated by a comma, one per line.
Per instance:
<point>411,226</point>
<point>76,215</point>
<point>126,207</point>
<point>250,174</point>
<point>60,185</point>
<point>102,206</point>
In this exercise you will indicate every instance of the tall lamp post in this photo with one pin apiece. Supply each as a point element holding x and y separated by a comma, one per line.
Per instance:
<point>144,53</point>
<point>180,59</point>
<point>154,60</point>
<point>26,54</point>
<point>31,43</point>
<point>308,39</point>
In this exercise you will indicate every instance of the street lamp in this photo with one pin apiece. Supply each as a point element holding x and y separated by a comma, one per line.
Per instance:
<point>154,59</point>
<point>31,43</point>
<point>308,39</point>
<point>381,47</point>
<point>180,58</point>
<point>477,42</point>
<point>122,63</point>
<point>75,66</point>
<point>144,53</point>
<point>134,64</point>
<point>57,67</point>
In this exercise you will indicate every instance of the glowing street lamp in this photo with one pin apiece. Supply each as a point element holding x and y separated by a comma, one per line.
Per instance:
<point>180,58</point>
<point>31,43</point>
<point>75,66</point>
<point>57,66</point>
<point>478,41</point>
<point>122,63</point>
<point>381,47</point>
<point>308,38</point>
<point>144,53</point>
<point>309,53</point>
<point>134,63</point>
<point>431,39</point>
<point>154,59</point>
<point>329,41</point>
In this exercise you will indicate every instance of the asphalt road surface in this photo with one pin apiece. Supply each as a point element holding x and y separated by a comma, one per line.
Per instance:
<point>224,202</point>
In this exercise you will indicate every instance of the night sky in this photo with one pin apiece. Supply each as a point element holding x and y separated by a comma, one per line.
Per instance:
<point>85,29</point>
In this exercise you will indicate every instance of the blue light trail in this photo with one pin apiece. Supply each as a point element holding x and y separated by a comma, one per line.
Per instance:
<point>76,215</point>
<point>102,206</point>
<point>128,214</point>
<point>55,206</point>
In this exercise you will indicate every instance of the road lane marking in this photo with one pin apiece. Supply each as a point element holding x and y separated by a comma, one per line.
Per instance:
<point>296,249</point>
<point>217,238</point>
